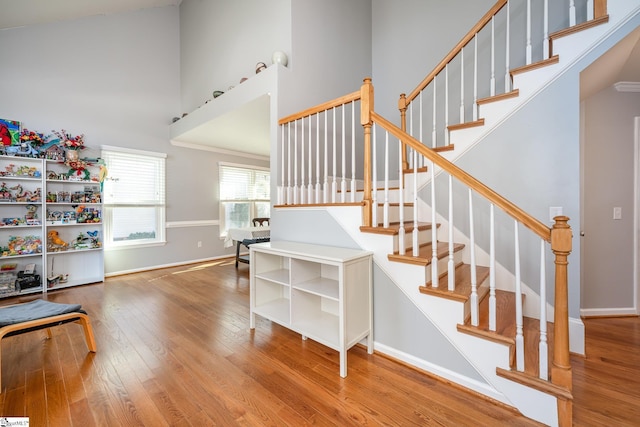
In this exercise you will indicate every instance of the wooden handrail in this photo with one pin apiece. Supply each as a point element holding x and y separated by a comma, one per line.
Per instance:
<point>462,43</point>
<point>345,99</point>
<point>508,207</point>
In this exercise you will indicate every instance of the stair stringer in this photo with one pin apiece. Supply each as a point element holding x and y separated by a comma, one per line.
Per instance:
<point>484,355</point>
<point>570,49</point>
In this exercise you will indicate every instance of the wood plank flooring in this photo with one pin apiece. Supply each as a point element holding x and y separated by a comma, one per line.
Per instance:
<point>175,349</point>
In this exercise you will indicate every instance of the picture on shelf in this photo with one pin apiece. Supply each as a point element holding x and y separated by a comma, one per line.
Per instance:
<point>9,132</point>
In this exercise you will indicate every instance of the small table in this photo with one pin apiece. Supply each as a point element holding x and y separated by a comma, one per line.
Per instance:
<point>248,236</point>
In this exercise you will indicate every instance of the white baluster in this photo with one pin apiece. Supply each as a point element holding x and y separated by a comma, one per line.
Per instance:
<point>451,266</point>
<point>475,78</point>
<point>529,48</point>
<point>289,196</point>
<point>472,253</point>
<point>590,12</point>
<point>420,135</point>
<point>334,183</point>
<point>343,183</point>
<point>421,159</point>
<point>401,231</point>
<point>545,41</point>
<point>492,270</point>
<point>416,247</point>
<point>434,235</point>
<point>519,319</point>
<point>462,85</point>
<point>492,82</point>
<point>572,13</point>
<point>317,197</point>
<point>374,178</point>
<point>446,105</point>
<point>507,71</point>
<point>303,191</point>
<point>542,348</point>
<point>434,132</point>
<point>295,164</point>
<point>310,160</point>
<point>283,173</point>
<point>385,207</point>
<point>325,189</point>
<point>410,152</point>
<point>353,152</point>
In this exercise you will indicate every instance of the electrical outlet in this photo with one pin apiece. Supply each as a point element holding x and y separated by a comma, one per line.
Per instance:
<point>199,244</point>
<point>617,212</point>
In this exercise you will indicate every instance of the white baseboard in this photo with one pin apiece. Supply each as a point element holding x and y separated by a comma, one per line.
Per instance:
<point>470,383</point>
<point>576,336</point>
<point>608,312</point>
<point>174,264</point>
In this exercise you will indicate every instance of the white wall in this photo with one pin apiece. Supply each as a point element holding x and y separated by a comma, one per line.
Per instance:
<point>222,41</point>
<point>116,78</point>
<point>608,282</point>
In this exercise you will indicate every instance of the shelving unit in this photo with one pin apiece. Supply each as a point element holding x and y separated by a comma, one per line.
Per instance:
<point>74,210</point>
<point>21,227</point>
<point>25,220</point>
<point>321,292</point>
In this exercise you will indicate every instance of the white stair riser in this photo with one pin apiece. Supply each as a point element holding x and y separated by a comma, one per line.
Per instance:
<point>443,264</point>
<point>424,236</point>
<point>394,213</point>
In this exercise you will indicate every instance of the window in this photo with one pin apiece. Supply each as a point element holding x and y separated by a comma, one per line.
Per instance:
<point>244,194</point>
<point>134,197</point>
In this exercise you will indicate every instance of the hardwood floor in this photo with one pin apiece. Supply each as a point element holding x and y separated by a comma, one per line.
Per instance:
<point>175,349</point>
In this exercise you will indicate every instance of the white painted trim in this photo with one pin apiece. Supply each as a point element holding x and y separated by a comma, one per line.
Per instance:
<point>242,166</point>
<point>193,223</point>
<point>447,374</point>
<point>576,336</point>
<point>219,150</point>
<point>133,151</point>
<point>174,264</point>
<point>608,312</point>
<point>627,86</point>
<point>636,213</point>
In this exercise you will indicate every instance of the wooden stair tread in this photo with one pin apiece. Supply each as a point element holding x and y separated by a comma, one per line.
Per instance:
<point>424,254</point>
<point>506,330</point>
<point>394,228</point>
<point>553,60</point>
<point>466,125</point>
<point>513,94</point>
<point>462,289</point>
<point>420,169</point>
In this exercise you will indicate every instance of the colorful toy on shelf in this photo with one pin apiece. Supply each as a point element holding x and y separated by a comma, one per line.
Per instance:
<point>19,245</point>
<point>21,194</point>
<point>93,236</point>
<point>5,194</point>
<point>54,242</point>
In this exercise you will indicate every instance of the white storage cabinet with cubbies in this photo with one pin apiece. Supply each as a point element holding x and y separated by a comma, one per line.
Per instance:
<point>21,227</point>
<point>321,292</point>
<point>74,216</point>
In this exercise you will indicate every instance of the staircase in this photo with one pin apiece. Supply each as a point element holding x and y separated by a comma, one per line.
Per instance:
<point>448,262</point>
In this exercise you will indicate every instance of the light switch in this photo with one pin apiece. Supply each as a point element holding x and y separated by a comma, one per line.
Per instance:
<point>617,212</point>
<point>554,211</point>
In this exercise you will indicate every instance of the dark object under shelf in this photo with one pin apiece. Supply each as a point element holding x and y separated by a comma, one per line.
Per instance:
<point>247,243</point>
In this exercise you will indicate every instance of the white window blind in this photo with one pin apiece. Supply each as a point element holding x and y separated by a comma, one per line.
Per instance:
<point>244,194</point>
<point>134,197</point>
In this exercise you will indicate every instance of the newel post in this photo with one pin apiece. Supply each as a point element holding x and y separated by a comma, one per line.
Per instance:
<point>402,106</point>
<point>561,236</point>
<point>366,106</point>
